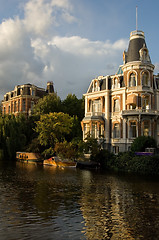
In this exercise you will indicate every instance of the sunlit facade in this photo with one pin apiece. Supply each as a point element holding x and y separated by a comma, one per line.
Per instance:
<point>121,107</point>
<point>23,98</point>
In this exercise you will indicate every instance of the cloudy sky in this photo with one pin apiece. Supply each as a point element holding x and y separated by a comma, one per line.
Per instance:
<point>70,42</point>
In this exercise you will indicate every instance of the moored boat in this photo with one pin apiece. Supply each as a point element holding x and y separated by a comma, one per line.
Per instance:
<point>57,162</point>
<point>29,157</point>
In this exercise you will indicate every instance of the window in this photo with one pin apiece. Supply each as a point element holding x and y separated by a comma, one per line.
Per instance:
<point>11,107</point>
<point>145,80</point>
<point>115,149</point>
<point>9,110</point>
<point>32,105</point>
<point>32,92</point>
<point>116,130</point>
<point>94,129</point>
<point>145,102</point>
<point>132,106</point>
<point>18,91</point>
<point>132,130</point>
<point>95,86</point>
<point>18,105</point>
<point>116,83</point>
<point>132,80</point>
<point>15,106</point>
<point>86,130</point>
<point>116,105</point>
<point>97,106</point>
<point>146,129</point>
<point>4,110</point>
<point>24,104</point>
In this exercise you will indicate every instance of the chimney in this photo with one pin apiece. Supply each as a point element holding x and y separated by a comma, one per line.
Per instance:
<point>50,87</point>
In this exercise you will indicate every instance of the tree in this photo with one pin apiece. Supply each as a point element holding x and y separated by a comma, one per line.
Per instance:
<point>52,128</point>
<point>142,142</point>
<point>73,106</point>
<point>47,104</point>
<point>12,135</point>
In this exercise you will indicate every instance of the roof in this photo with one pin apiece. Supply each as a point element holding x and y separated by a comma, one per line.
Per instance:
<point>137,41</point>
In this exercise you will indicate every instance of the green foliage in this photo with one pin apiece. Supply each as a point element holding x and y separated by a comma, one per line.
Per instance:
<point>66,150</point>
<point>53,127</point>
<point>105,158</point>
<point>91,146</point>
<point>47,104</point>
<point>12,135</point>
<point>129,163</point>
<point>73,106</point>
<point>142,142</point>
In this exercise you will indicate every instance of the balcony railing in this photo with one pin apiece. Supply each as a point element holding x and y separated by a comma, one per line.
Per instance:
<point>90,114</point>
<point>140,111</point>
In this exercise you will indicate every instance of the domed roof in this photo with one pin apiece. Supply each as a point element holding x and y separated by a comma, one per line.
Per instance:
<point>137,42</point>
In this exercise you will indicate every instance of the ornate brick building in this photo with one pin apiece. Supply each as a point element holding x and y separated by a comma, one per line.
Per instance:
<point>23,98</point>
<point>124,106</point>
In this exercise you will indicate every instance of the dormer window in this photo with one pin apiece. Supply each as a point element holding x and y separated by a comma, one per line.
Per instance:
<point>144,54</point>
<point>95,86</point>
<point>132,80</point>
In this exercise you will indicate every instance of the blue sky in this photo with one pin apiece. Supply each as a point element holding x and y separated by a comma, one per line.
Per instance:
<point>70,41</point>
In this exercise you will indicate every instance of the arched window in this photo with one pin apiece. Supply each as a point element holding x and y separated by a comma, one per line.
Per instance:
<point>116,130</point>
<point>132,80</point>
<point>145,80</point>
<point>116,105</point>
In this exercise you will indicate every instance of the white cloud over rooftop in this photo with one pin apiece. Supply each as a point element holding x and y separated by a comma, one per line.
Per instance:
<point>32,50</point>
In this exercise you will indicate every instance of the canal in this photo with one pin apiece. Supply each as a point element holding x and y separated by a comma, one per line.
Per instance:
<point>39,202</point>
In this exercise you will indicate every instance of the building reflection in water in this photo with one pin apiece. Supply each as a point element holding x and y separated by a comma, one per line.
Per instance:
<point>115,209</point>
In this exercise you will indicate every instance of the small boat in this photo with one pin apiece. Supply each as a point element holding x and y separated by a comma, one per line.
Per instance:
<point>29,157</point>
<point>57,162</point>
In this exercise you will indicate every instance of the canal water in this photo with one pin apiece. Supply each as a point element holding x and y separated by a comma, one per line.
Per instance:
<point>48,203</point>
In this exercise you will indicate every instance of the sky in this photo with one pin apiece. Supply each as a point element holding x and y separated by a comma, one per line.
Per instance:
<point>70,42</point>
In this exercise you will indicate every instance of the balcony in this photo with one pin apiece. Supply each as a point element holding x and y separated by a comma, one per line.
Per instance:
<point>140,88</point>
<point>91,114</point>
<point>134,112</point>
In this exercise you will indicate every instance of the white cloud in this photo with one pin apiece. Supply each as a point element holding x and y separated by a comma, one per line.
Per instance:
<point>30,51</point>
<point>157,67</point>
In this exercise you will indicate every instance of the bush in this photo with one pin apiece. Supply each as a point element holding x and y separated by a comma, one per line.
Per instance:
<point>142,142</point>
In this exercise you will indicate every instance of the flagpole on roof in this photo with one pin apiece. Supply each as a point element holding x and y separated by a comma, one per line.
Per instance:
<point>136,18</point>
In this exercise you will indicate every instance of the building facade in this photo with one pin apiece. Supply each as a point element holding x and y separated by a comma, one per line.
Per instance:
<point>121,107</point>
<point>23,98</point>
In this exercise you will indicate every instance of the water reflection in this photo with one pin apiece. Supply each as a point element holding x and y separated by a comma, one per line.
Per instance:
<point>39,202</point>
<point>116,208</point>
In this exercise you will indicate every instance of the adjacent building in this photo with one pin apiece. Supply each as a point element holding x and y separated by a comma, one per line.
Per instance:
<point>23,98</point>
<point>123,106</point>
